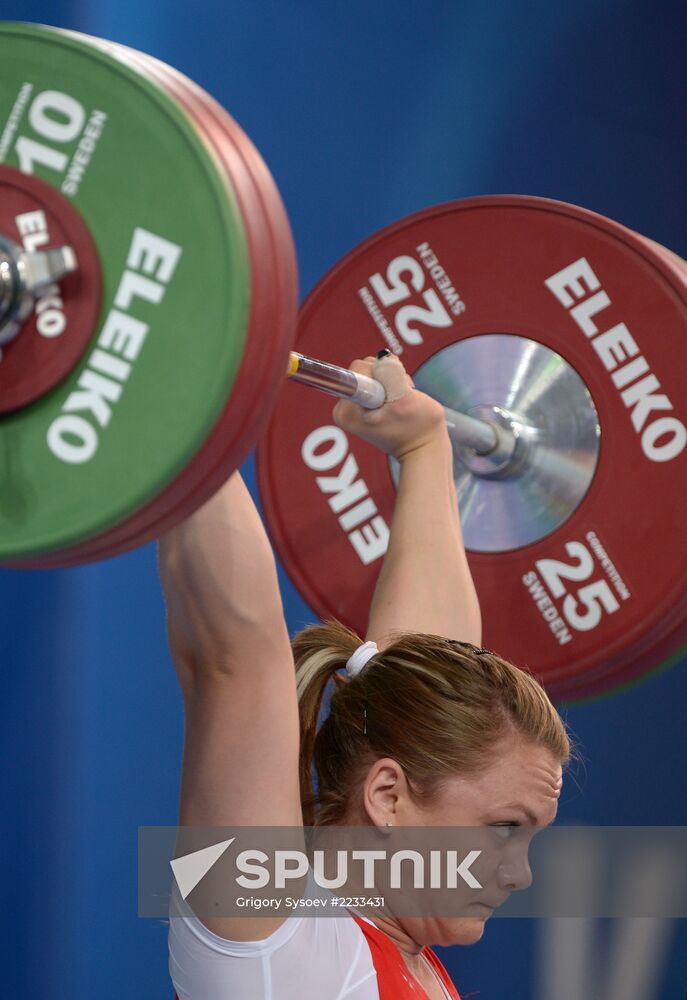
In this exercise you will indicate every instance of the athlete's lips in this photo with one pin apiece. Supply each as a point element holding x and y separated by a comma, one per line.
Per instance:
<point>491,904</point>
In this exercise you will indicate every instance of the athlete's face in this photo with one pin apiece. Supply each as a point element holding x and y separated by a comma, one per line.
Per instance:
<point>516,794</point>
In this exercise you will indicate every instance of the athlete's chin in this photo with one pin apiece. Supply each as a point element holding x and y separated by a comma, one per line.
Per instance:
<point>463,930</point>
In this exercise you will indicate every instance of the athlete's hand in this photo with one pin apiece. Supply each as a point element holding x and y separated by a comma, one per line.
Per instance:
<point>409,420</point>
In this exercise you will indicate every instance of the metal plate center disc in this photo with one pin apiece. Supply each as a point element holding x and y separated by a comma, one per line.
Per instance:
<point>558,424</point>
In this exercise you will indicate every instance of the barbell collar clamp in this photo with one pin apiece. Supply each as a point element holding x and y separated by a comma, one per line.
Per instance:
<point>513,441</point>
<point>23,276</point>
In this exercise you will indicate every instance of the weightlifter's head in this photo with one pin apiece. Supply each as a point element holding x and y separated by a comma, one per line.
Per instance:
<point>429,732</point>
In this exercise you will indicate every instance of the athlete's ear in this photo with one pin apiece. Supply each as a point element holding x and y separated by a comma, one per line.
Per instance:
<point>384,791</point>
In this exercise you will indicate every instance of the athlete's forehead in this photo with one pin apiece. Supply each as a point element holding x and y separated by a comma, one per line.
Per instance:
<point>522,784</point>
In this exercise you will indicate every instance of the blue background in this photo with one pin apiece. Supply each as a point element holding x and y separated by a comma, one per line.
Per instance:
<point>365,112</point>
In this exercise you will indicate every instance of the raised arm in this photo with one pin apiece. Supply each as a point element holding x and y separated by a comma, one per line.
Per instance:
<point>232,654</point>
<point>425,583</point>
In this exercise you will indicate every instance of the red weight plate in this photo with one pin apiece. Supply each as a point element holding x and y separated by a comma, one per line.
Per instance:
<point>274,292</point>
<point>668,652</point>
<point>480,267</point>
<point>35,215</point>
<point>678,265</point>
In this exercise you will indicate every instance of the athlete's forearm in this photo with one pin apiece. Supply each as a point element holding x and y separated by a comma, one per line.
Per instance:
<point>425,583</point>
<point>220,582</point>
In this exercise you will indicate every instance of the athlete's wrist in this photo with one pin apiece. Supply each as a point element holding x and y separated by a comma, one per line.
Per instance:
<point>433,447</point>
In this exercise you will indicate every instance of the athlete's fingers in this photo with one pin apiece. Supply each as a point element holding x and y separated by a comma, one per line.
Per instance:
<point>362,366</point>
<point>390,372</point>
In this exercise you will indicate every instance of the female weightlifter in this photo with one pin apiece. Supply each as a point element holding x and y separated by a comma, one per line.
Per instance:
<point>422,730</point>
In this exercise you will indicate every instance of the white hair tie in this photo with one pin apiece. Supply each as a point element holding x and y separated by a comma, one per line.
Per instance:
<point>362,655</point>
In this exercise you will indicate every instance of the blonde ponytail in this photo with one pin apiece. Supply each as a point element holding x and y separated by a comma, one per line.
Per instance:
<point>320,652</point>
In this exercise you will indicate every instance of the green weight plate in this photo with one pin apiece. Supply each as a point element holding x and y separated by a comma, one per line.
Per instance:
<point>270,335</point>
<point>274,294</point>
<point>176,292</point>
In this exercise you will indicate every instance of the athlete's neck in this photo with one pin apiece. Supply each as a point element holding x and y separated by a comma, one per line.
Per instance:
<point>409,948</point>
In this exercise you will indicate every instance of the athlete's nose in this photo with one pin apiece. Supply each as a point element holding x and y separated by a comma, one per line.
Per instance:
<point>515,874</point>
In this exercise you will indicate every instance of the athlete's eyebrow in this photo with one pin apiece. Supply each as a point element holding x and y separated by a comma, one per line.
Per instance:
<point>518,807</point>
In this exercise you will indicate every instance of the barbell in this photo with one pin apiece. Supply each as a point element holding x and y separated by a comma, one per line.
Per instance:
<point>148,308</point>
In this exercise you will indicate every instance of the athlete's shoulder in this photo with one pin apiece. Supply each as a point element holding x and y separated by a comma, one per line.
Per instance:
<point>306,956</point>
